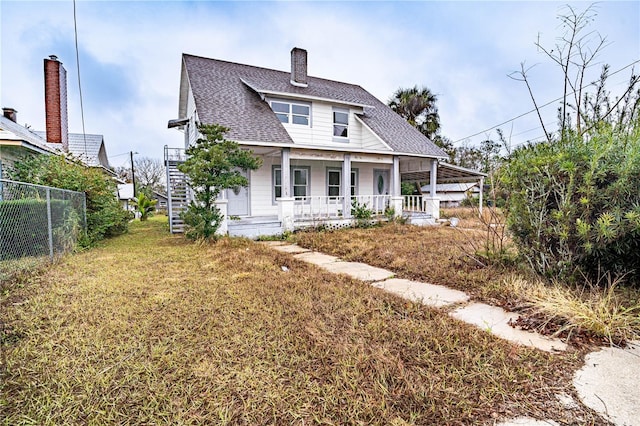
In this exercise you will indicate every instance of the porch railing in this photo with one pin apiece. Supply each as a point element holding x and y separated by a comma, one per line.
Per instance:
<point>324,207</point>
<point>317,208</point>
<point>378,204</point>
<point>414,203</point>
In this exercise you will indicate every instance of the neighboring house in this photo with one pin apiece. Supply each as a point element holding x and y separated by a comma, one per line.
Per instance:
<point>324,145</point>
<point>125,195</point>
<point>16,141</point>
<point>162,201</point>
<point>89,148</point>
<point>453,194</point>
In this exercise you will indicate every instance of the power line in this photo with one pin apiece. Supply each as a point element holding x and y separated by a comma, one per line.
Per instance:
<point>543,106</point>
<point>75,30</point>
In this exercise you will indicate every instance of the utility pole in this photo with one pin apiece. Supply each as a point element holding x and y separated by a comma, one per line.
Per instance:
<point>133,174</point>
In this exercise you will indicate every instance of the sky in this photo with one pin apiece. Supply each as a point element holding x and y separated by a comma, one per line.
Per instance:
<point>130,57</point>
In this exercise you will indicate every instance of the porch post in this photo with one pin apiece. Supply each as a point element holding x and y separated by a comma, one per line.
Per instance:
<point>433,202</point>
<point>286,172</point>
<point>286,201</point>
<point>346,186</point>
<point>396,190</point>
<point>480,203</point>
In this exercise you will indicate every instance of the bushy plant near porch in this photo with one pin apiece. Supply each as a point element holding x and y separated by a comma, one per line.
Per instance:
<point>574,205</point>
<point>213,164</point>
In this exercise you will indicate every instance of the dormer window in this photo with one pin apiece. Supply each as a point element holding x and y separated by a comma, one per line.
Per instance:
<point>340,123</point>
<point>291,112</point>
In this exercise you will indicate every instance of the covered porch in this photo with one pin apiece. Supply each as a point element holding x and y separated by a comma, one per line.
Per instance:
<point>299,187</point>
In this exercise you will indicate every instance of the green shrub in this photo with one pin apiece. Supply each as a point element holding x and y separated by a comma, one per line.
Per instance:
<point>105,216</point>
<point>574,206</point>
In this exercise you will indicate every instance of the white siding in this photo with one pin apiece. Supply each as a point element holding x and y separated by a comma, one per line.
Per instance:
<point>319,133</point>
<point>261,191</point>
<point>191,131</point>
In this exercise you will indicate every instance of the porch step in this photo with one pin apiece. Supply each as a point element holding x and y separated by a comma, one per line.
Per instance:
<point>420,218</point>
<point>254,227</point>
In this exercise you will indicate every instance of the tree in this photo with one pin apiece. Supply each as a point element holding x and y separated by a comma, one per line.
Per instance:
<point>213,164</point>
<point>150,175</point>
<point>144,205</point>
<point>418,107</point>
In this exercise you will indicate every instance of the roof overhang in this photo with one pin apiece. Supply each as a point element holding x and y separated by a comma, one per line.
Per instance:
<point>177,122</point>
<point>446,173</point>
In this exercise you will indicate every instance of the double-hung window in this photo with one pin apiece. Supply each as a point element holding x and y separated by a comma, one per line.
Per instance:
<point>292,112</point>
<point>299,182</point>
<point>340,123</point>
<point>334,182</point>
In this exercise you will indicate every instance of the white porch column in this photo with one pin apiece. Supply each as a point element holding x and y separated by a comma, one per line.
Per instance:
<point>396,190</point>
<point>286,201</point>
<point>346,186</point>
<point>221,204</point>
<point>480,202</point>
<point>433,202</point>
<point>286,172</point>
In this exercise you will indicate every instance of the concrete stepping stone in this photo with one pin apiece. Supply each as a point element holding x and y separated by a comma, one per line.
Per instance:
<point>527,421</point>
<point>359,271</point>
<point>290,248</point>
<point>608,384</point>
<point>496,321</point>
<point>427,294</point>
<point>316,258</point>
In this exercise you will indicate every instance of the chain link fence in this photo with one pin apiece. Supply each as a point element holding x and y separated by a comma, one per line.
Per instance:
<point>37,224</point>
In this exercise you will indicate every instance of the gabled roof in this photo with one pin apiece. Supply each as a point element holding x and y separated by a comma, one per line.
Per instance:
<point>95,153</point>
<point>14,132</point>
<point>230,94</point>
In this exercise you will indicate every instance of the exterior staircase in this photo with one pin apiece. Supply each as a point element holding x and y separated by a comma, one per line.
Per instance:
<point>177,190</point>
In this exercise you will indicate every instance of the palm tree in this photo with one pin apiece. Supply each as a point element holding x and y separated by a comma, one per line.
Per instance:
<point>144,205</point>
<point>418,107</point>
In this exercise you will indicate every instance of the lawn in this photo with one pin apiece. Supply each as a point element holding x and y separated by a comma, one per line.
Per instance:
<point>151,329</point>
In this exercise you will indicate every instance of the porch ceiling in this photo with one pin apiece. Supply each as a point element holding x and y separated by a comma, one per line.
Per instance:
<point>446,173</point>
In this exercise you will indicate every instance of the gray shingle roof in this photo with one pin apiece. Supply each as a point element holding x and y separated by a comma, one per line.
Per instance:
<point>94,144</point>
<point>11,130</point>
<point>222,97</point>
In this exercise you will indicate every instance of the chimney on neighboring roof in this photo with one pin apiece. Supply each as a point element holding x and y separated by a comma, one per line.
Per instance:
<point>55,102</point>
<point>11,114</point>
<point>299,67</point>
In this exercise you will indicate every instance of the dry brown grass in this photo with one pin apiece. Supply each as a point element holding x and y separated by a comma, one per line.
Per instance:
<point>149,329</point>
<point>434,254</point>
<point>447,256</point>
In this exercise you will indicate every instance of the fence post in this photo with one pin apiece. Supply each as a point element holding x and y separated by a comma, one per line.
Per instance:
<point>84,210</point>
<point>49,225</point>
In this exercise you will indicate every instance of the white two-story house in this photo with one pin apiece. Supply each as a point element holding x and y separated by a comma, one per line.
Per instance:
<point>325,145</point>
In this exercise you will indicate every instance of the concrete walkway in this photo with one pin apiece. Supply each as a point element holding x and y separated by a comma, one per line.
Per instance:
<point>489,318</point>
<point>608,383</point>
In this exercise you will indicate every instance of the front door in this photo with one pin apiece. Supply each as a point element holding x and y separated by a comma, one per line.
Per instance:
<point>238,201</point>
<point>380,187</point>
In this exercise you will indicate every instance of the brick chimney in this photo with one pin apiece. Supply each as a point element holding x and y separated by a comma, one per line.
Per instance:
<point>55,102</point>
<point>11,114</point>
<point>299,67</point>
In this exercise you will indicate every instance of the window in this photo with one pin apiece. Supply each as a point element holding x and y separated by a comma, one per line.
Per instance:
<point>291,113</point>
<point>299,182</point>
<point>334,182</point>
<point>340,123</point>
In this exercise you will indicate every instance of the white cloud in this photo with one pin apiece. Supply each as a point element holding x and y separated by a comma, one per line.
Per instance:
<point>461,51</point>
